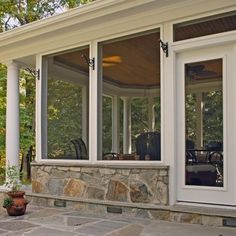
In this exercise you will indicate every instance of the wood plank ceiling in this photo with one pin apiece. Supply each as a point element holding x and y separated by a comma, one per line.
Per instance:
<point>134,62</point>
<point>130,62</point>
<point>205,26</point>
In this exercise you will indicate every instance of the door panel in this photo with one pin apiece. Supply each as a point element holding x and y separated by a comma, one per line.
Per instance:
<point>203,160</point>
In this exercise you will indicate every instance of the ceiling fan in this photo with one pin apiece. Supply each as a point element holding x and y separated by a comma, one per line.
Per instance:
<point>198,72</point>
<point>111,61</point>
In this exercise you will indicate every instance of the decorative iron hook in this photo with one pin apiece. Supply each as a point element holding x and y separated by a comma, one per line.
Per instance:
<point>90,62</point>
<point>164,47</point>
<point>35,73</point>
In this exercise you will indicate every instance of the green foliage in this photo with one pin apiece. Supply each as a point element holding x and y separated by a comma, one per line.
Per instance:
<point>2,173</point>
<point>13,178</point>
<point>213,116</point>
<point>139,120</point>
<point>20,12</point>
<point>7,202</point>
<point>64,116</point>
<point>107,124</point>
<point>139,117</point>
<point>191,118</point>
<point>14,13</point>
<point>2,113</point>
<point>27,111</point>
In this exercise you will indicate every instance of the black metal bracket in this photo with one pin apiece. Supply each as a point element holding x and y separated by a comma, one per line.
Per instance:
<point>35,73</point>
<point>90,62</point>
<point>164,47</point>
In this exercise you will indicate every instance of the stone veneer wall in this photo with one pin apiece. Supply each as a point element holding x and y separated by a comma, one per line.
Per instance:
<point>107,183</point>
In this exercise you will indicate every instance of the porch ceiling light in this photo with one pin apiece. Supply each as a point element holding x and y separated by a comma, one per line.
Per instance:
<point>111,61</point>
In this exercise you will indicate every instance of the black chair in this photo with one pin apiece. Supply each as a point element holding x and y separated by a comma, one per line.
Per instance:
<point>215,152</point>
<point>80,148</point>
<point>191,157</point>
<point>214,146</point>
<point>149,143</point>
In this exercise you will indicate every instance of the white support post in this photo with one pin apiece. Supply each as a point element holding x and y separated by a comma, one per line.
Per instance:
<point>41,108</point>
<point>115,124</point>
<point>12,116</point>
<point>199,125</point>
<point>169,112</point>
<point>95,106</point>
<point>84,114</point>
<point>127,126</point>
<point>151,114</point>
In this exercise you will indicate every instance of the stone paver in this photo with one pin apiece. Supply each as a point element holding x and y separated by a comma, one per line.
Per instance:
<point>129,230</point>
<point>101,228</point>
<point>17,225</point>
<point>2,232</point>
<point>77,221</point>
<point>39,221</point>
<point>49,232</point>
<point>177,229</point>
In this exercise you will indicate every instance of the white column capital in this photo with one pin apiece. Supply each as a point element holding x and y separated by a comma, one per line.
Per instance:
<point>12,64</point>
<point>125,98</point>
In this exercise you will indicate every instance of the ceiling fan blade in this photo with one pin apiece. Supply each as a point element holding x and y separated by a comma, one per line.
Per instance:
<point>206,73</point>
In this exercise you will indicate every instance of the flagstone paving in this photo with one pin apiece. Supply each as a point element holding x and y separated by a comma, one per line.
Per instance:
<point>40,221</point>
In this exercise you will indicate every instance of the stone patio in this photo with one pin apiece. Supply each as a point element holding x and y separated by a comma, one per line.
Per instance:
<point>41,221</point>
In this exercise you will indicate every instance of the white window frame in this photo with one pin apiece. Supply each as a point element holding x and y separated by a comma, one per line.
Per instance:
<point>93,105</point>
<point>132,162</point>
<point>41,101</point>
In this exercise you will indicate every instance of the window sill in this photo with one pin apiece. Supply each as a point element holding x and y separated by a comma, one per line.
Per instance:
<point>103,164</point>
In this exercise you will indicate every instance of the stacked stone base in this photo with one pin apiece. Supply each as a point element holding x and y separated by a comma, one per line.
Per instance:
<point>137,191</point>
<point>124,184</point>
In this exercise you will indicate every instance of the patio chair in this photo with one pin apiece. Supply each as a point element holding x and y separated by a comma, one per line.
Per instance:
<point>191,157</point>
<point>80,148</point>
<point>215,152</point>
<point>25,163</point>
<point>149,144</point>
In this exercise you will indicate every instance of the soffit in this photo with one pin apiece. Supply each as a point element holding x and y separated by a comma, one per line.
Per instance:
<point>205,27</point>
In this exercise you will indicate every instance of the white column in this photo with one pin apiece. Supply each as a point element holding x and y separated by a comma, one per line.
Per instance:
<point>151,114</point>
<point>12,116</point>
<point>127,126</point>
<point>199,125</point>
<point>41,109</point>
<point>169,114</point>
<point>115,124</point>
<point>95,106</point>
<point>84,114</point>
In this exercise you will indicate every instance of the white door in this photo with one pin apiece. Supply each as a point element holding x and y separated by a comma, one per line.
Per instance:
<point>205,111</point>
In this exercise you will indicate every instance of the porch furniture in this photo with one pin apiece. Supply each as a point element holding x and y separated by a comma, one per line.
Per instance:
<point>215,152</point>
<point>191,157</point>
<point>111,156</point>
<point>80,148</point>
<point>148,144</point>
<point>117,156</point>
<point>201,175</point>
<point>204,167</point>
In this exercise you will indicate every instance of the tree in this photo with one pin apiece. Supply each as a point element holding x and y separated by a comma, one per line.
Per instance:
<point>14,13</point>
<point>2,114</point>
